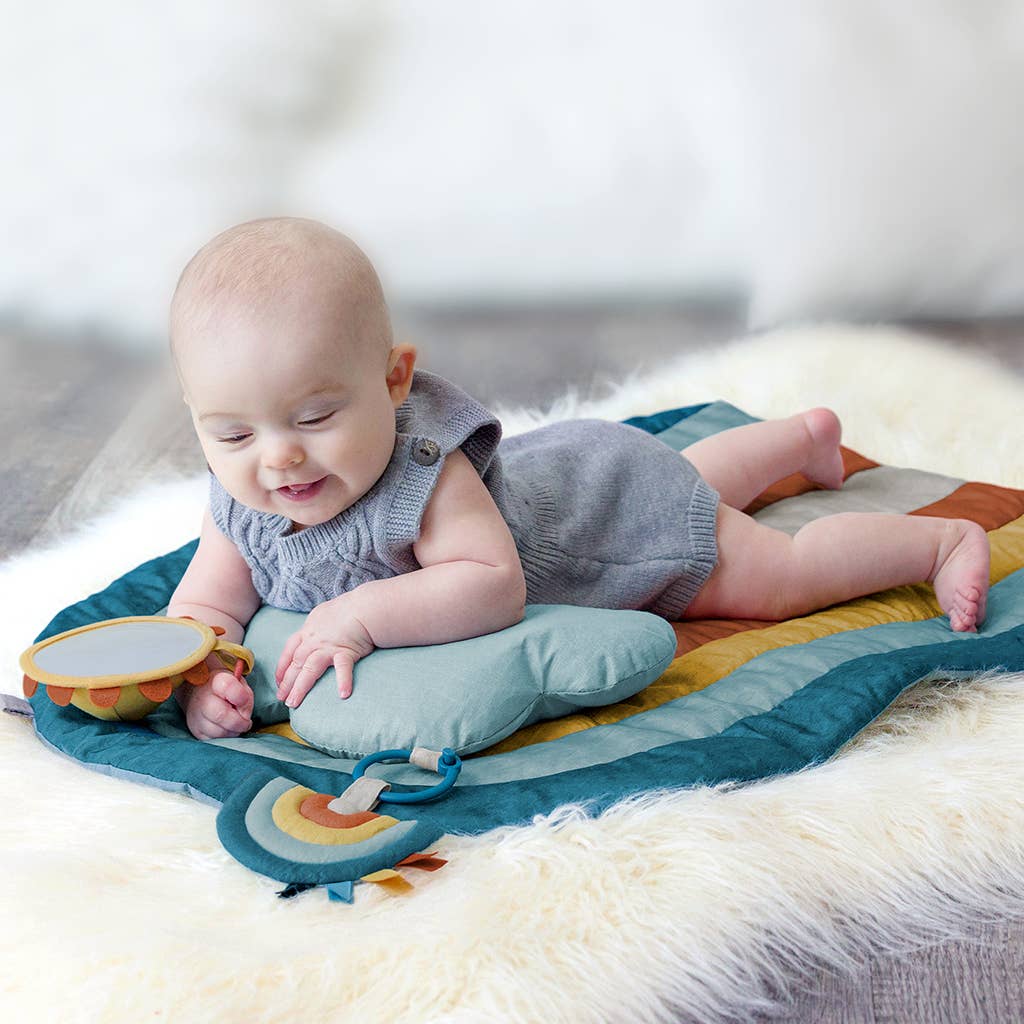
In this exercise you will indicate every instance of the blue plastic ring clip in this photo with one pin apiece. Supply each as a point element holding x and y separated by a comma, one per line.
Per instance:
<point>449,765</point>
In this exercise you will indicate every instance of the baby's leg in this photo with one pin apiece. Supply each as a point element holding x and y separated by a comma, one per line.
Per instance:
<point>766,574</point>
<point>742,462</point>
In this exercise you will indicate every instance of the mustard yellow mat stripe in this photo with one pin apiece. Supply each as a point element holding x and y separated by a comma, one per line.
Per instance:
<point>283,729</point>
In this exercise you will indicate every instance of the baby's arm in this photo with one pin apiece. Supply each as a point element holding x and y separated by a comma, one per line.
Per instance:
<point>471,582</point>
<point>217,589</point>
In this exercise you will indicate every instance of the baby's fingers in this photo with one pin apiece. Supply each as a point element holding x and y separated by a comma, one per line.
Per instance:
<point>314,667</point>
<point>212,717</point>
<point>286,656</point>
<point>223,722</point>
<point>344,663</point>
<point>234,691</point>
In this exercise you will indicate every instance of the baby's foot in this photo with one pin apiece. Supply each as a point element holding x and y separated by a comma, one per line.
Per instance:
<point>960,576</point>
<point>825,463</point>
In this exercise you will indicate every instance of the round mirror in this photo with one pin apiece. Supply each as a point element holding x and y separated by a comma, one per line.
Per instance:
<point>135,648</point>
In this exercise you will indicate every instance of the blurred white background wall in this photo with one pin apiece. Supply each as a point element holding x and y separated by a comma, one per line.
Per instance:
<point>815,157</point>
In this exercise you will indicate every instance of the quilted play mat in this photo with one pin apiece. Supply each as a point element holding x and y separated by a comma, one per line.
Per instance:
<point>742,699</point>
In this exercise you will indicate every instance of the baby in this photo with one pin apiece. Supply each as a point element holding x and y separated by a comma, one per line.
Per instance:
<point>380,501</point>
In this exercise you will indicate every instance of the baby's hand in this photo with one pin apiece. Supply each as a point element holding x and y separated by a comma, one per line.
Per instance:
<point>219,708</point>
<point>330,633</point>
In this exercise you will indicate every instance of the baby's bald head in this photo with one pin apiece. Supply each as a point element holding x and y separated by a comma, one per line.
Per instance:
<point>246,270</point>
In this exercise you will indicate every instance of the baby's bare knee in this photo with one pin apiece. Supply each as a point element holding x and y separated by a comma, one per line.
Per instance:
<point>818,551</point>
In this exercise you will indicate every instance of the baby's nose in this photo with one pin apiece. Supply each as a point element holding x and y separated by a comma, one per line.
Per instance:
<point>282,455</point>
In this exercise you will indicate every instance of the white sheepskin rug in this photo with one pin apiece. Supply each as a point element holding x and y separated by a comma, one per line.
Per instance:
<point>120,905</point>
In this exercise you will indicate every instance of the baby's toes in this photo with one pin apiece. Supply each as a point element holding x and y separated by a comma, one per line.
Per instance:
<point>964,613</point>
<point>969,603</point>
<point>959,622</point>
<point>977,599</point>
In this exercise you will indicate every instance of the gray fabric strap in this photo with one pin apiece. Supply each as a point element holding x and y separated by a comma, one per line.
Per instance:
<point>362,795</point>
<point>16,705</point>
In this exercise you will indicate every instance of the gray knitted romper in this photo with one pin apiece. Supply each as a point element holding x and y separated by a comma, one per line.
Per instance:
<point>603,514</point>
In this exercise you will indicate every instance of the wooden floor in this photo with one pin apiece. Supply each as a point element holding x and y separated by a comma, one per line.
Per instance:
<point>83,424</point>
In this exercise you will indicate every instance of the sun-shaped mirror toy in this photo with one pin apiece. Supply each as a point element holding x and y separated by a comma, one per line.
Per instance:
<point>120,669</point>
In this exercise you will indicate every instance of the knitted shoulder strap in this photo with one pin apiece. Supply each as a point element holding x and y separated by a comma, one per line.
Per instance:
<point>437,418</point>
<point>236,521</point>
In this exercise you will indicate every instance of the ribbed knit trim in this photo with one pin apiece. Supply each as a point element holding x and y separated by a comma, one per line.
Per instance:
<point>408,500</point>
<point>701,517</point>
<point>216,502</point>
<point>536,538</point>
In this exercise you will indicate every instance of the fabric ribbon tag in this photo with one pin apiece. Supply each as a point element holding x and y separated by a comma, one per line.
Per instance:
<point>390,880</point>
<point>340,892</point>
<point>423,861</point>
<point>362,795</point>
<point>16,706</point>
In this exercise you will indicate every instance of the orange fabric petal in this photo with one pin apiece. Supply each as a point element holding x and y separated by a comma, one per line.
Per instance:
<point>60,695</point>
<point>218,630</point>
<point>423,861</point>
<point>197,674</point>
<point>28,686</point>
<point>156,690</point>
<point>105,696</point>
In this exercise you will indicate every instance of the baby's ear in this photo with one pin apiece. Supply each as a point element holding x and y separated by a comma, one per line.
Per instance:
<point>401,363</point>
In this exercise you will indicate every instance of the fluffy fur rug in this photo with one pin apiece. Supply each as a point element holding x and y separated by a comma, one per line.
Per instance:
<point>121,905</point>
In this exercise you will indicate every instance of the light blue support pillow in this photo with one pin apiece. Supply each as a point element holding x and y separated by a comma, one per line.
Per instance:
<point>468,694</point>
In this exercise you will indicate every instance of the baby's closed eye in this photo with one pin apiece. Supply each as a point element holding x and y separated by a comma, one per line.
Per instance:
<point>310,422</point>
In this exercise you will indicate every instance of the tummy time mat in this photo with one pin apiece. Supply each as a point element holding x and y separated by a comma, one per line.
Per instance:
<point>742,700</point>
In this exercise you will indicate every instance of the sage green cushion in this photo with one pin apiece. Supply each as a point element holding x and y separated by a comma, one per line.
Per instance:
<point>468,694</point>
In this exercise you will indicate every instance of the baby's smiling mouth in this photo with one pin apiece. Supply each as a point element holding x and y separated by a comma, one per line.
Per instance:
<point>300,492</point>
